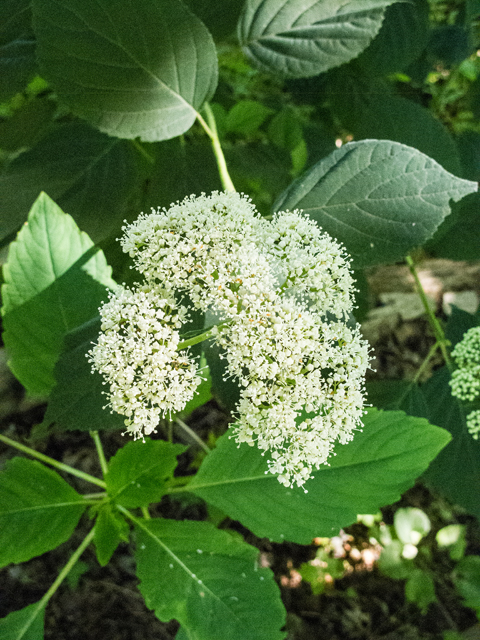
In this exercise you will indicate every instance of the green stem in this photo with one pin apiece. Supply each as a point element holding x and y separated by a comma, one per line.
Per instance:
<point>201,336</point>
<point>442,342</point>
<point>193,435</point>
<point>145,513</point>
<point>100,452</point>
<point>424,365</point>
<point>61,577</point>
<point>59,465</point>
<point>211,131</point>
<point>142,151</point>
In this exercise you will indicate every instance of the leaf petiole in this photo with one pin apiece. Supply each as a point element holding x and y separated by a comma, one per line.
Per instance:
<point>60,578</point>
<point>54,463</point>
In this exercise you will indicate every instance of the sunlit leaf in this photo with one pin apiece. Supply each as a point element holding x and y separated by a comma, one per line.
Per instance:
<point>374,469</point>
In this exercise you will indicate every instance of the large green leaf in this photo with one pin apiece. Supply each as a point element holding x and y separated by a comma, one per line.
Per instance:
<point>182,167</point>
<point>371,112</point>
<point>458,237</point>
<point>138,69</point>
<point>23,624</point>
<point>379,198</point>
<point>89,174</point>
<point>373,470</point>
<point>17,66</point>
<point>293,40</point>
<point>400,41</point>
<point>38,510</point>
<point>17,47</point>
<point>208,580</point>
<point>54,281</point>
<point>138,472</point>
<point>77,400</point>
<point>456,471</point>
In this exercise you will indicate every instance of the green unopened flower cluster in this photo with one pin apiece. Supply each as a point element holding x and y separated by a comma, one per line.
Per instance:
<point>282,292</point>
<point>465,380</point>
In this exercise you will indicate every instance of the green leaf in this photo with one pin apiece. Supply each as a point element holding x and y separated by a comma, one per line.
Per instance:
<point>207,580</point>
<point>12,626</point>
<point>379,198</point>
<point>285,129</point>
<point>27,125</point>
<point>77,401</point>
<point>374,469</point>
<point>54,282</point>
<point>400,41</point>
<point>292,40</point>
<point>246,116</point>
<point>182,167</point>
<point>132,70</point>
<point>458,237</point>
<point>456,471</point>
<point>17,67</point>
<point>467,581</point>
<point>89,174</point>
<point>220,18</point>
<point>110,529</point>
<point>420,589</point>
<point>138,473</point>
<point>17,47</point>
<point>372,113</point>
<point>38,510</point>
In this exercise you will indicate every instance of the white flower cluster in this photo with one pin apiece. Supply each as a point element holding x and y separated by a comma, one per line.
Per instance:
<point>137,354</point>
<point>282,290</point>
<point>465,380</point>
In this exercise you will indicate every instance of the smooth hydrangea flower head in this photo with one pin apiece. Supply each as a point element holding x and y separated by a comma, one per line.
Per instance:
<point>206,246</point>
<point>465,380</point>
<point>301,384</point>
<point>282,290</point>
<point>137,354</point>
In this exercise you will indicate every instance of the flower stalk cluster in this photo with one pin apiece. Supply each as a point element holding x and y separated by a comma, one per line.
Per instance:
<point>465,380</point>
<point>282,292</point>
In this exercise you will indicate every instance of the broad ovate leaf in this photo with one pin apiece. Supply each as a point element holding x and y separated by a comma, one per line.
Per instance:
<point>372,470</point>
<point>379,198</point>
<point>139,69</point>
<point>54,281</point>
<point>38,510</point>
<point>296,39</point>
<point>207,580</point>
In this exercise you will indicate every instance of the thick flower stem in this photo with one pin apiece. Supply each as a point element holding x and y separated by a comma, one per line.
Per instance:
<point>442,342</point>
<point>54,463</point>
<point>21,633</point>
<point>211,131</point>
